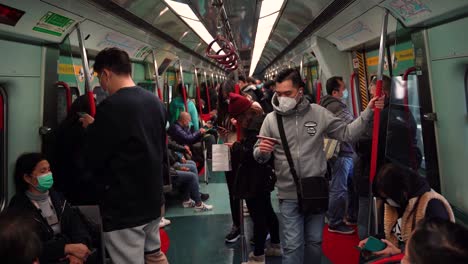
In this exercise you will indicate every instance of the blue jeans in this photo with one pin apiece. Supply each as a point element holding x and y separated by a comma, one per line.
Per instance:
<point>301,236</point>
<point>190,164</point>
<point>342,171</point>
<point>188,180</point>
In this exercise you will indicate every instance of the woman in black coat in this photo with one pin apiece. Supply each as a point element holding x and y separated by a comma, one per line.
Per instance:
<point>254,182</point>
<point>60,228</point>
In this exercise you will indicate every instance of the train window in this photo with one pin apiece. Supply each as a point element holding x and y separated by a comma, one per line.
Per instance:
<point>3,149</point>
<point>404,145</point>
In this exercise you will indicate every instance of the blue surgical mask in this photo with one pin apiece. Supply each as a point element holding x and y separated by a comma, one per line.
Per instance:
<point>345,94</point>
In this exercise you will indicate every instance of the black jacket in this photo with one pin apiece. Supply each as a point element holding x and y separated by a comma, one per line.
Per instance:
<point>183,135</point>
<point>73,229</point>
<point>126,150</point>
<point>252,178</point>
<point>173,147</point>
<point>70,172</point>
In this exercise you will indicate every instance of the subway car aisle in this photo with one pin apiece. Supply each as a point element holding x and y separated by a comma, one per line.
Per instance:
<point>199,237</point>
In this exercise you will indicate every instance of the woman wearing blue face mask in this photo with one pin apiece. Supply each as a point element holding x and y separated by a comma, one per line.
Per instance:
<point>408,200</point>
<point>60,228</point>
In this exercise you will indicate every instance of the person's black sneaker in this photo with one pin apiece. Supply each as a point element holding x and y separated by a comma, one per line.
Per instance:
<point>350,221</point>
<point>341,229</point>
<point>233,236</point>
<point>204,196</point>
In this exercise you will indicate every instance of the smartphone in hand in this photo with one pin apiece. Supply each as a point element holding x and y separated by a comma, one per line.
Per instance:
<point>276,141</point>
<point>82,114</point>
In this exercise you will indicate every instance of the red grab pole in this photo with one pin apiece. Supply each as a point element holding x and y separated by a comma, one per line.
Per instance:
<point>92,103</point>
<point>207,90</point>
<point>319,90</point>
<point>68,94</point>
<point>375,134</point>
<point>353,95</point>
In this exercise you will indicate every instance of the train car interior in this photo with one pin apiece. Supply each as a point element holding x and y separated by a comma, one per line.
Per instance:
<point>189,50</point>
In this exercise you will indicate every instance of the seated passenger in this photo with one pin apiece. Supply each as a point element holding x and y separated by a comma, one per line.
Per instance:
<point>60,227</point>
<point>408,199</point>
<point>185,175</point>
<point>180,133</point>
<point>20,243</point>
<point>177,106</point>
<point>437,241</point>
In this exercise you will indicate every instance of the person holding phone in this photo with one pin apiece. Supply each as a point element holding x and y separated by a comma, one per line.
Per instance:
<point>408,200</point>
<point>305,126</point>
<point>254,182</point>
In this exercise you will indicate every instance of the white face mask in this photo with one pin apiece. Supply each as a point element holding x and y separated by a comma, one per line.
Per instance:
<point>288,103</point>
<point>392,203</point>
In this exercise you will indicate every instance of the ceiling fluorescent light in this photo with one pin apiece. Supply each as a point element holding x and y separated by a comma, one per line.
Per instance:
<point>268,14</point>
<point>186,13</point>
<point>265,25</point>
<point>270,6</point>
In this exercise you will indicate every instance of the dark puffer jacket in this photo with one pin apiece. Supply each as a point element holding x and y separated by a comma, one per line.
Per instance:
<point>73,230</point>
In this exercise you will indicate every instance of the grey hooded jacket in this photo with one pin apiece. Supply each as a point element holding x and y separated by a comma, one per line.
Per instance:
<point>306,126</point>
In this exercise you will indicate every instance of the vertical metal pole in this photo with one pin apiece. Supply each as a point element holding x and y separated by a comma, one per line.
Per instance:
<point>156,77</point>
<point>84,60</point>
<point>375,132</point>
<point>244,253</point>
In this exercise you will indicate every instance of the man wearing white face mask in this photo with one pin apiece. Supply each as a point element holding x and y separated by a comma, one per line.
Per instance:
<point>300,162</point>
<point>342,166</point>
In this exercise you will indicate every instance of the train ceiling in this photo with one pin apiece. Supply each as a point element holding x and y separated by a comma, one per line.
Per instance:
<point>155,24</point>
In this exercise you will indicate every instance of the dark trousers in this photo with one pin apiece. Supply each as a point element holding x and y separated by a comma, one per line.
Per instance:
<point>234,202</point>
<point>264,220</point>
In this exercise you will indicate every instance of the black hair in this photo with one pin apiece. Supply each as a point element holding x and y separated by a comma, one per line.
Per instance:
<point>333,84</point>
<point>251,80</point>
<point>25,164</point>
<point>269,85</point>
<point>242,78</point>
<point>395,181</point>
<point>438,241</point>
<point>20,244</point>
<point>113,59</point>
<point>290,74</point>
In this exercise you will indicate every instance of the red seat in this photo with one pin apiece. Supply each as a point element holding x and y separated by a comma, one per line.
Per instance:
<point>164,240</point>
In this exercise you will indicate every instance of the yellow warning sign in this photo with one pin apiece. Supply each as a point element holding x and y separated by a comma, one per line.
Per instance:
<point>404,55</point>
<point>373,61</point>
<point>71,69</point>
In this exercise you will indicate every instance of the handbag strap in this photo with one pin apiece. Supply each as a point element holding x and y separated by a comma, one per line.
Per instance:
<point>287,151</point>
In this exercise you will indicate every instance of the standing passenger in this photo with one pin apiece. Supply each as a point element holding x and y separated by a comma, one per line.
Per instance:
<point>305,125</point>
<point>342,167</point>
<point>124,149</point>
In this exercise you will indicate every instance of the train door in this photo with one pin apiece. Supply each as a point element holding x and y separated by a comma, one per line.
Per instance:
<point>3,150</point>
<point>449,80</point>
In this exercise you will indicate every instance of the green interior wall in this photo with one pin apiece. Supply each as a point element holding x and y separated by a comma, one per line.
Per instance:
<point>73,78</point>
<point>398,68</point>
<point>20,75</point>
<point>449,61</point>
